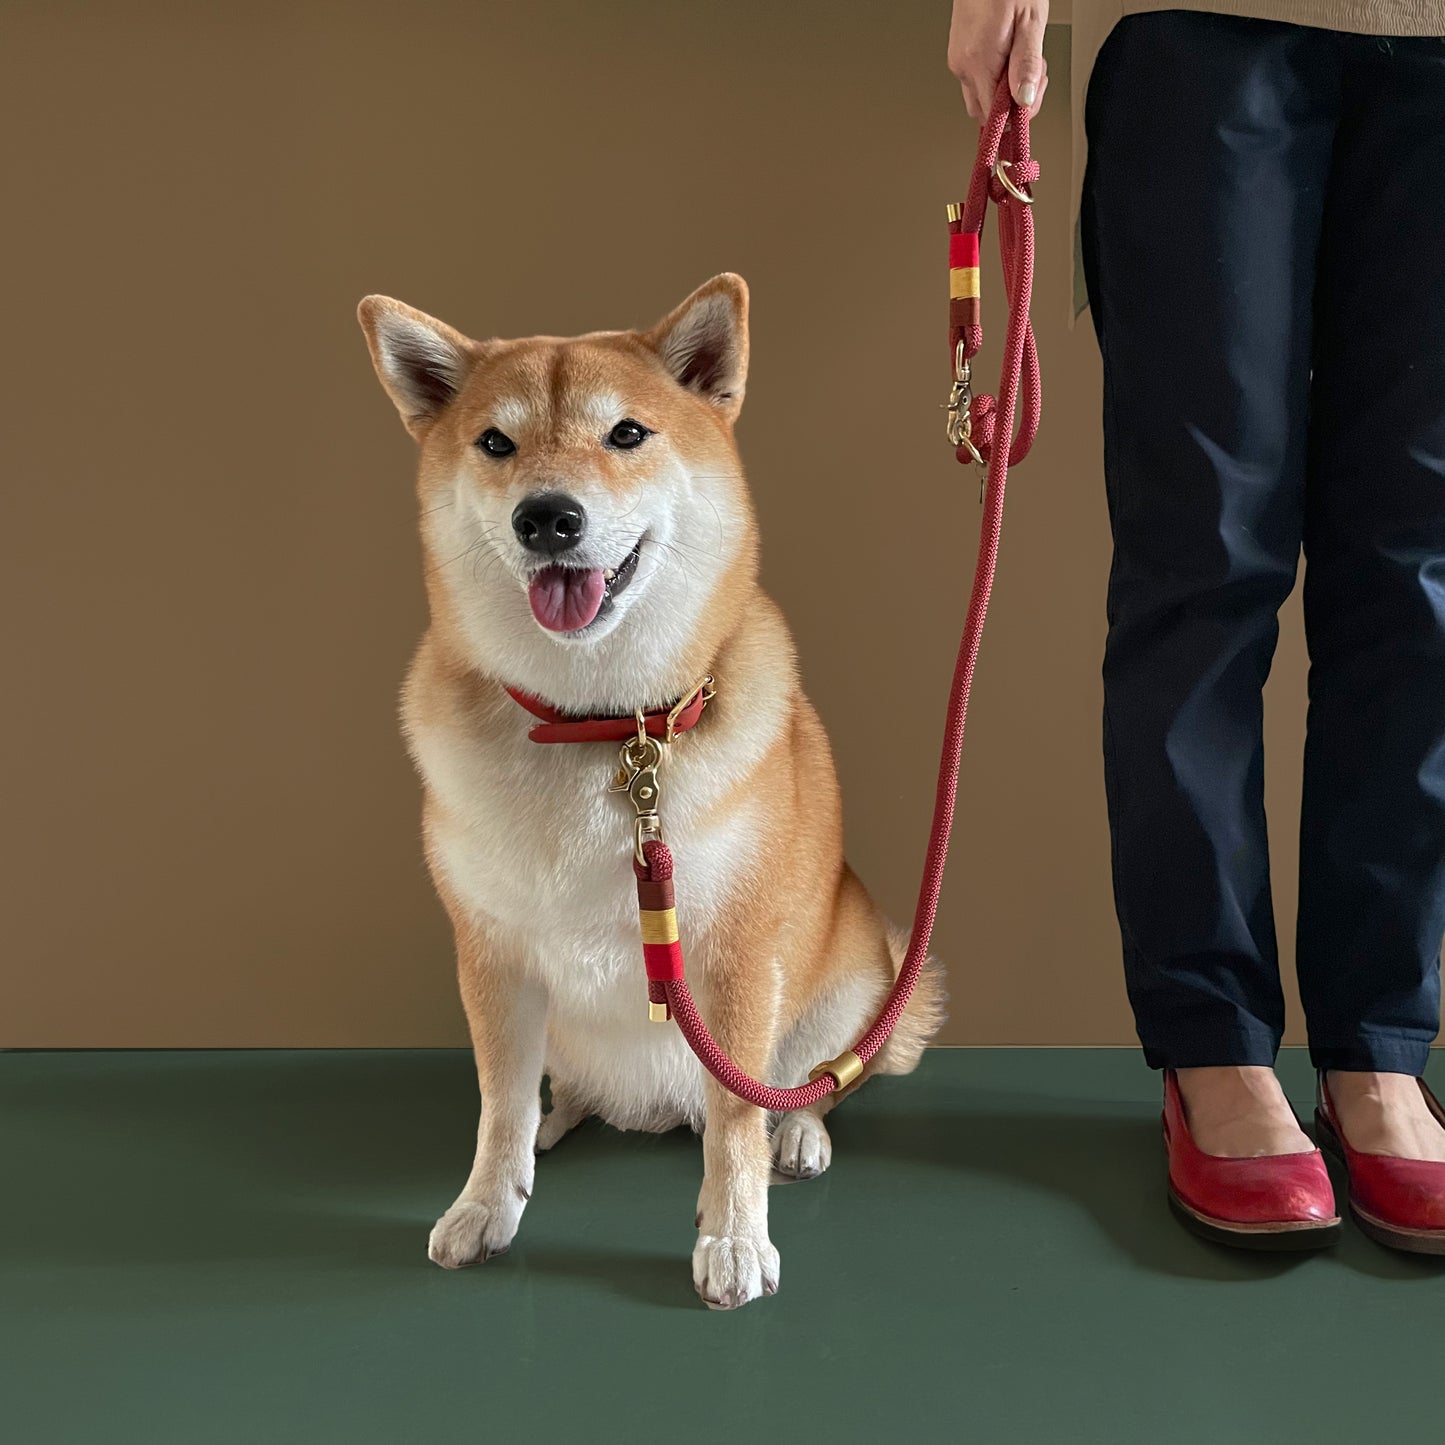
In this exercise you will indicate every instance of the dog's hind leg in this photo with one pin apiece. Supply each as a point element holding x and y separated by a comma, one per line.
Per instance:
<point>802,1148</point>
<point>566,1113</point>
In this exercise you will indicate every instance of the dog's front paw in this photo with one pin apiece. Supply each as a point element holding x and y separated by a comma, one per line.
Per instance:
<point>730,1270</point>
<point>471,1233</point>
<point>801,1146</point>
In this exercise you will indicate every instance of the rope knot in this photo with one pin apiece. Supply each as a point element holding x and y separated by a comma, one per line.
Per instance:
<point>983,414</point>
<point>1022,173</point>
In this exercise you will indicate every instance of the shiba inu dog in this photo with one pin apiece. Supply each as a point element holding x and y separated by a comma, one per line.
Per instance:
<point>589,541</point>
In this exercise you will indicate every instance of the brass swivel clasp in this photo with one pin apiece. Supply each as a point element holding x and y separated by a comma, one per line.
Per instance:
<point>638,765</point>
<point>960,414</point>
<point>959,405</point>
<point>640,761</point>
<point>960,398</point>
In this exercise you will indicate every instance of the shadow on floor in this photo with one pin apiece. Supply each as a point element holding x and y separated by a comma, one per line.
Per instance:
<point>1106,1158</point>
<point>183,1158</point>
<point>341,1160</point>
<point>337,1161</point>
<point>1108,1164</point>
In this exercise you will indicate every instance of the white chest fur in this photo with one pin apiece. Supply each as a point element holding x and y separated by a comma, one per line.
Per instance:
<point>533,844</point>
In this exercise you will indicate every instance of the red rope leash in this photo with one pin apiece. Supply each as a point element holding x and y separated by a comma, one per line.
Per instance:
<point>1001,173</point>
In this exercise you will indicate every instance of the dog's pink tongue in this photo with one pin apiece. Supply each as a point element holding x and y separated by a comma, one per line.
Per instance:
<point>566,598</point>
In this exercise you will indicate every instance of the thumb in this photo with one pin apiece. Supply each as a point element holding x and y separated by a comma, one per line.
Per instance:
<point>1026,60</point>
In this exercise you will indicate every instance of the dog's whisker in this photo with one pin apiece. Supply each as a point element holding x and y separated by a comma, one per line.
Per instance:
<point>683,565</point>
<point>717,517</point>
<point>481,541</point>
<point>695,547</point>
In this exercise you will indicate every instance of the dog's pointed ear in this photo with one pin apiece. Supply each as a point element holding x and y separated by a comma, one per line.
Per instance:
<point>422,362</point>
<point>704,342</point>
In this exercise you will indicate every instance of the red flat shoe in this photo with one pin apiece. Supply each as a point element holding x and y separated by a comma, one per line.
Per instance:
<point>1277,1201</point>
<point>1397,1202</point>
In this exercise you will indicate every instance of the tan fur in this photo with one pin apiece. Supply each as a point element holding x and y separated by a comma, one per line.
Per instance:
<point>786,952</point>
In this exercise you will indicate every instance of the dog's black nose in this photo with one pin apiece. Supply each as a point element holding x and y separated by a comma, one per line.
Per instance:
<point>550,522</point>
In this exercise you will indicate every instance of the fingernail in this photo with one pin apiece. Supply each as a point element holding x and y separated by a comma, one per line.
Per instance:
<point>1027,91</point>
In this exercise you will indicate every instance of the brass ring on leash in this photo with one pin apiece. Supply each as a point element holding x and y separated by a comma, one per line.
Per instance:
<point>999,168</point>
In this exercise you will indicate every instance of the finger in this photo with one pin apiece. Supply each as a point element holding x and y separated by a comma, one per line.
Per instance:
<point>1043,91</point>
<point>970,100</point>
<point>985,87</point>
<point>1026,59</point>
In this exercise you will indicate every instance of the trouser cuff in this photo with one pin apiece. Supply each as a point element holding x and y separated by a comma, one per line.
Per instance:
<point>1377,1053</point>
<point>1197,1049</point>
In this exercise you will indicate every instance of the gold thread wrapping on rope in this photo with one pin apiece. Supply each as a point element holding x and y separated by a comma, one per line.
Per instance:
<point>659,925</point>
<point>963,283</point>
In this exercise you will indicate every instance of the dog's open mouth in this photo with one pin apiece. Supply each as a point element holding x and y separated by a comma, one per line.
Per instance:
<point>567,599</point>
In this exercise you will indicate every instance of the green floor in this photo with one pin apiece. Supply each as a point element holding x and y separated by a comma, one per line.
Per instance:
<point>219,1247</point>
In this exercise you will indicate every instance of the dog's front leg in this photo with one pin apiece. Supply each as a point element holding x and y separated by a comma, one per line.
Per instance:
<point>734,1260</point>
<point>507,1015</point>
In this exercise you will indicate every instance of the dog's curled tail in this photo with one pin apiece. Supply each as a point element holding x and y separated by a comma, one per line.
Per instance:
<point>924,1016</point>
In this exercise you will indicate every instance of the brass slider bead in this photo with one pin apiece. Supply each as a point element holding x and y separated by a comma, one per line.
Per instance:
<point>845,1068</point>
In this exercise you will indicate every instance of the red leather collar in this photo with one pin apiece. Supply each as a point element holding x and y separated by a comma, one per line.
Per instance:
<point>663,722</point>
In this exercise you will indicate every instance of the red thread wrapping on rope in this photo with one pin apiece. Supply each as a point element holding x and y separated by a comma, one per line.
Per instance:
<point>963,249</point>
<point>1006,129</point>
<point>662,960</point>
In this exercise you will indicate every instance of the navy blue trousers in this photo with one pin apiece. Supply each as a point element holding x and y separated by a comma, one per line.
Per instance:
<point>1264,243</point>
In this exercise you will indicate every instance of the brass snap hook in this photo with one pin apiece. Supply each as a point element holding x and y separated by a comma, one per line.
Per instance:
<point>960,397</point>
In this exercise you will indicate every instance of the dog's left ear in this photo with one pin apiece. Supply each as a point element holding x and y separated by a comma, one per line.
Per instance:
<point>704,342</point>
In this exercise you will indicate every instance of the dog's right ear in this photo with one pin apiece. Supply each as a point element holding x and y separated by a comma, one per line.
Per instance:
<point>422,362</point>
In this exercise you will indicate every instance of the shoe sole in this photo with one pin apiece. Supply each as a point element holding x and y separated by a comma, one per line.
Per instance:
<point>1407,1241</point>
<point>1392,1236</point>
<point>1285,1236</point>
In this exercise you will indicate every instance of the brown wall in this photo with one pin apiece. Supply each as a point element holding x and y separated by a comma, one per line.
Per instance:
<point>212,831</point>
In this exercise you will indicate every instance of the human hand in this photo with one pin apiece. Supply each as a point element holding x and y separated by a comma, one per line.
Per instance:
<point>988,36</point>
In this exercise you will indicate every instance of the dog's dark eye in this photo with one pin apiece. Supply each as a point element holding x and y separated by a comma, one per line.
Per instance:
<point>627,434</point>
<point>496,443</point>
